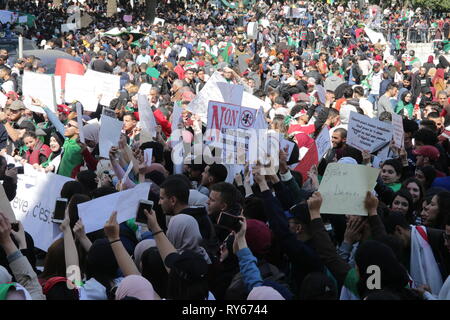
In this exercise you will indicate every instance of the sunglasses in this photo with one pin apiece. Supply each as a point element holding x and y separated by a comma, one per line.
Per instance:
<point>69,125</point>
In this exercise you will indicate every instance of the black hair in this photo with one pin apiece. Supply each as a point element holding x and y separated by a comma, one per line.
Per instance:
<point>131,114</point>
<point>395,164</point>
<point>430,174</point>
<point>154,271</point>
<point>158,150</point>
<point>87,179</point>
<point>218,171</point>
<point>348,151</point>
<point>410,126</point>
<point>229,193</point>
<point>443,200</point>
<point>426,136</point>
<point>404,193</point>
<point>70,188</point>
<point>395,219</point>
<point>254,208</point>
<point>176,187</point>
<point>348,92</point>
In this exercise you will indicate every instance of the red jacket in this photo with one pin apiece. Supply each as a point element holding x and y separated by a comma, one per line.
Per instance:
<point>179,71</point>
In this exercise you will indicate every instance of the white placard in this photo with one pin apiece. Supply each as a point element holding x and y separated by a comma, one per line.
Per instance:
<point>344,187</point>
<point>40,86</point>
<point>176,117</point>
<point>34,204</point>
<point>323,142</point>
<point>148,154</point>
<point>80,123</point>
<point>367,134</point>
<point>95,213</point>
<point>158,20</point>
<point>146,117</point>
<point>108,85</point>
<point>66,27</point>
<point>212,90</point>
<point>397,124</point>
<point>82,89</point>
<point>109,135</point>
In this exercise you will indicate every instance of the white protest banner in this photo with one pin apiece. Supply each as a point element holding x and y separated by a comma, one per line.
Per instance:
<point>261,122</point>
<point>212,90</point>
<point>5,205</point>
<point>323,142</point>
<point>146,118</point>
<point>96,212</point>
<point>66,27</point>
<point>80,123</point>
<point>367,134</point>
<point>40,86</point>
<point>81,88</point>
<point>109,135</point>
<point>344,187</point>
<point>34,205</point>
<point>397,124</point>
<point>106,85</point>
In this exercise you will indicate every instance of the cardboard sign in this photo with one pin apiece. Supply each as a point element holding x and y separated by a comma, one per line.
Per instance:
<point>107,85</point>
<point>367,134</point>
<point>323,142</point>
<point>109,134</point>
<point>82,89</point>
<point>397,124</point>
<point>96,212</point>
<point>35,202</point>
<point>80,123</point>
<point>41,86</point>
<point>344,187</point>
<point>229,116</point>
<point>216,89</point>
<point>146,118</point>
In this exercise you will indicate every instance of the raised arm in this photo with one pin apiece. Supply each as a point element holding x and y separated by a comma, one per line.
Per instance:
<point>112,232</point>
<point>70,249</point>
<point>165,247</point>
<point>20,266</point>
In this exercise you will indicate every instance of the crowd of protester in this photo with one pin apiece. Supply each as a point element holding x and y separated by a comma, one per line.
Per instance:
<point>311,73</point>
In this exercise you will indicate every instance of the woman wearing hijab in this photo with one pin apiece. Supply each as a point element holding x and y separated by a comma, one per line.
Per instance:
<point>438,81</point>
<point>430,63</point>
<point>53,160</point>
<point>183,232</point>
<point>405,106</point>
<point>443,63</point>
<point>136,287</point>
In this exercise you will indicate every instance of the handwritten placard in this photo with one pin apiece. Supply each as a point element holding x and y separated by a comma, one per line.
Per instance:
<point>397,124</point>
<point>344,187</point>
<point>367,134</point>
<point>323,142</point>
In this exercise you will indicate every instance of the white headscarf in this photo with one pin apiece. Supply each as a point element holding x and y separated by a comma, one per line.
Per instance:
<point>91,132</point>
<point>184,233</point>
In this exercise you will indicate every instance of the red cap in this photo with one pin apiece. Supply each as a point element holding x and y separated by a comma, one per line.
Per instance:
<point>63,109</point>
<point>427,151</point>
<point>258,236</point>
<point>12,95</point>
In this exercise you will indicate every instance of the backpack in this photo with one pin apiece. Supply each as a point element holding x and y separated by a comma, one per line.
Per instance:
<point>237,289</point>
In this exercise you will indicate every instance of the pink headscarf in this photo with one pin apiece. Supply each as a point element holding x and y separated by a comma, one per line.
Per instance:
<point>136,287</point>
<point>264,293</point>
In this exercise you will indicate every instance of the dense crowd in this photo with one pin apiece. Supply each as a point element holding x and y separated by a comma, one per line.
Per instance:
<point>310,72</point>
